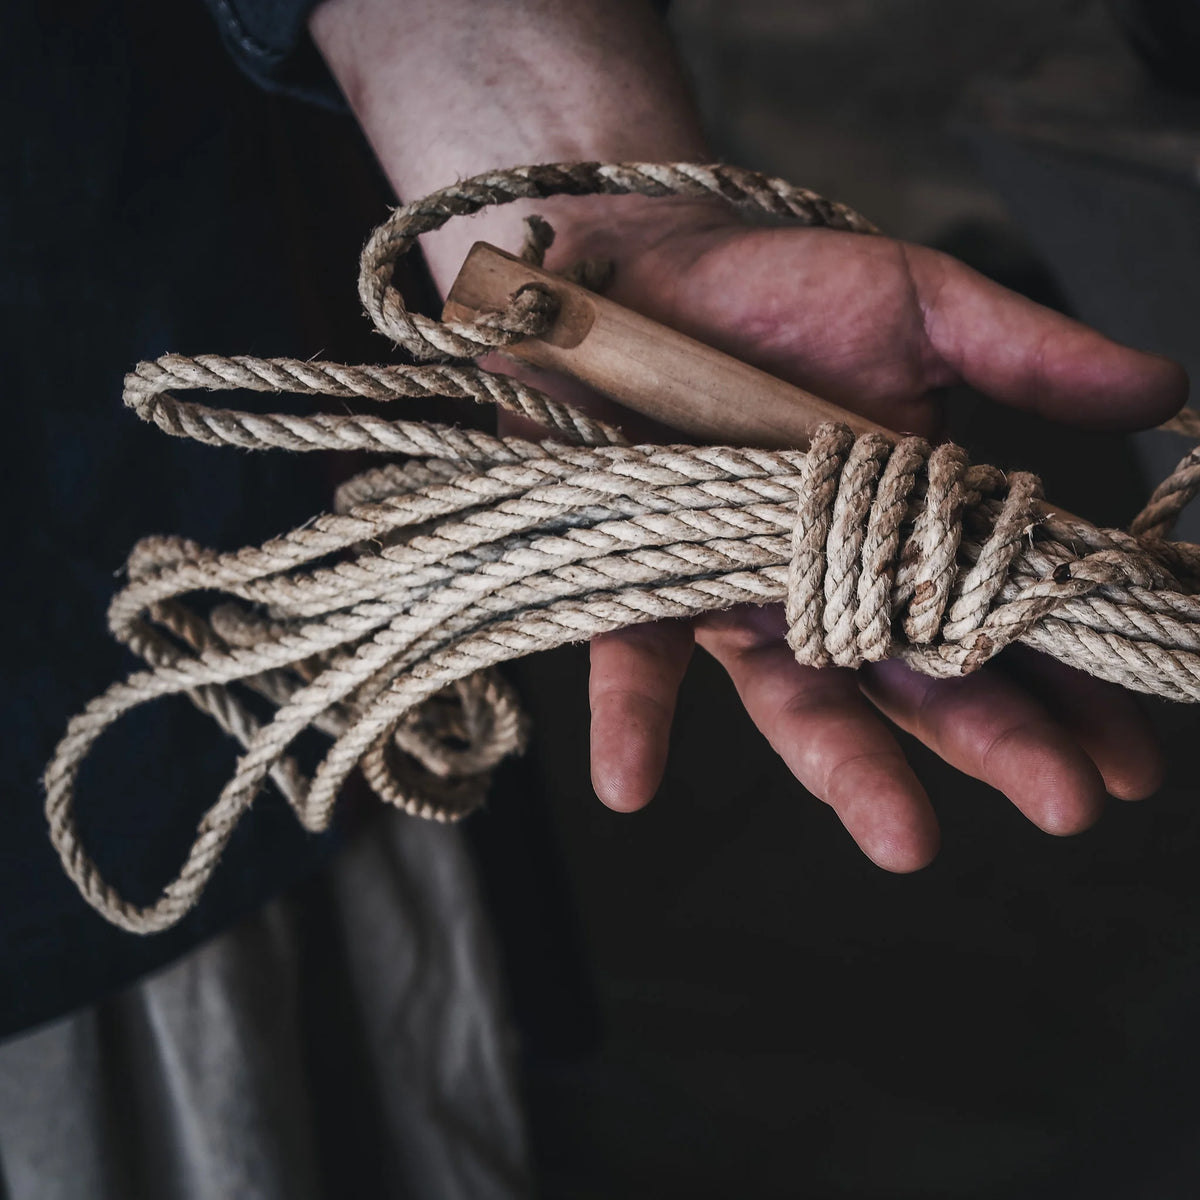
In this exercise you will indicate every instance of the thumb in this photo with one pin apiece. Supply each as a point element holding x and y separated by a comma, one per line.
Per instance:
<point>1032,358</point>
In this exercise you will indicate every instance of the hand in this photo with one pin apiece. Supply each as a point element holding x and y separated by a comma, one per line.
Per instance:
<point>866,322</point>
<point>876,326</point>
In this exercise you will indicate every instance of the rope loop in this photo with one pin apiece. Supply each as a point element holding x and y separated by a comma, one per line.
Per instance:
<point>746,191</point>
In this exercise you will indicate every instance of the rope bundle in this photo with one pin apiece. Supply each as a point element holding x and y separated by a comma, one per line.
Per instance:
<point>380,622</point>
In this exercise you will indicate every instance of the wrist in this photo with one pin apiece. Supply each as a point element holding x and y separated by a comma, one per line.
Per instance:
<point>629,230</point>
<point>447,89</point>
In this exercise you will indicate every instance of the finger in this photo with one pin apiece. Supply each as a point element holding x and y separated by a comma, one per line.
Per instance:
<point>1032,358</point>
<point>635,678</point>
<point>1105,720</point>
<point>988,727</point>
<point>818,723</point>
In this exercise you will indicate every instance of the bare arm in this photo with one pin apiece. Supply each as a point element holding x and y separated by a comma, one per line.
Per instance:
<point>449,88</point>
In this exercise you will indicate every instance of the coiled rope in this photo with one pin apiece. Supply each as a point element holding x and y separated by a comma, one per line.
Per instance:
<point>380,622</point>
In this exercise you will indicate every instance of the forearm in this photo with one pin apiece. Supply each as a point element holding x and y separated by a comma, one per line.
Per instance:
<point>448,88</point>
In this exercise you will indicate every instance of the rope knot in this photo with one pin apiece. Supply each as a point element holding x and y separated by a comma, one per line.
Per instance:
<point>875,569</point>
<point>530,311</point>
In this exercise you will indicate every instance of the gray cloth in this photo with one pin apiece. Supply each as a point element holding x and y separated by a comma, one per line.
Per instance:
<point>199,1083</point>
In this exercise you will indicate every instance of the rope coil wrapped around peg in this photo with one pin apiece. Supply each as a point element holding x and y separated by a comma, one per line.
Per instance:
<point>380,623</point>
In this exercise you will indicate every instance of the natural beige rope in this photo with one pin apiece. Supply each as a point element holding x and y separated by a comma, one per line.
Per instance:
<point>380,622</point>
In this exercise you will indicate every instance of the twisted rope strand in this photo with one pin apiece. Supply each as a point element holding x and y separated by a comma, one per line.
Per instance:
<point>381,622</point>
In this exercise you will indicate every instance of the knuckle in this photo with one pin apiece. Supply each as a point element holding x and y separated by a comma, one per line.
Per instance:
<point>836,779</point>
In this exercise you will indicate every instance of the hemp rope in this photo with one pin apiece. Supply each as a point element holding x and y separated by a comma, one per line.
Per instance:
<point>380,622</point>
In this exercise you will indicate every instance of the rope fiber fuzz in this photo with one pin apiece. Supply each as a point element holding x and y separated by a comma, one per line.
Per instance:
<point>381,622</point>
